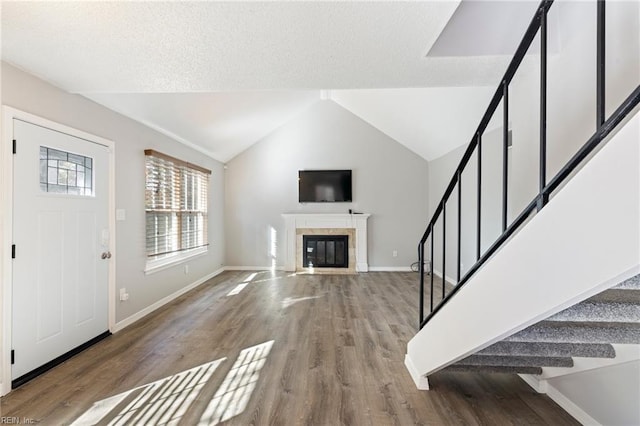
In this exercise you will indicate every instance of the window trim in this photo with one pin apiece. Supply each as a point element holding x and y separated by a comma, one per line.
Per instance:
<point>156,265</point>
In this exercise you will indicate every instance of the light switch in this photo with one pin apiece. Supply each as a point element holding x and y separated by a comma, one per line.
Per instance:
<point>120,214</point>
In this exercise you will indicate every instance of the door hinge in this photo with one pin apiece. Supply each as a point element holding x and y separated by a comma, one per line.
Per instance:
<point>15,146</point>
<point>13,251</point>
<point>13,357</point>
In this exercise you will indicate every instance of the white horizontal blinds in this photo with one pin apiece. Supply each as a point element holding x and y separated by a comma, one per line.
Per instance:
<point>175,204</point>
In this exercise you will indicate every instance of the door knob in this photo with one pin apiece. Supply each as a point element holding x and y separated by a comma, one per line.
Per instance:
<point>106,255</point>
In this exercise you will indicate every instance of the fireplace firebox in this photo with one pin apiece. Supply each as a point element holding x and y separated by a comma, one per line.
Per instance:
<point>325,251</point>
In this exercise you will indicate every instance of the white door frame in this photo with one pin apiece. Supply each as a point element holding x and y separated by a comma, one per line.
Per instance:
<point>6,226</point>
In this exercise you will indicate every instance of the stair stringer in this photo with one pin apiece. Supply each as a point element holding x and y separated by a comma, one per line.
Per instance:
<point>587,239</point>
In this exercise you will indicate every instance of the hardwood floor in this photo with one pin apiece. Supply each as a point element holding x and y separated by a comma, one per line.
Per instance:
<point>330,351</point>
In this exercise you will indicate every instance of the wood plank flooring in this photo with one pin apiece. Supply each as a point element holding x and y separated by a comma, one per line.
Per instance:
<point>336,358</point>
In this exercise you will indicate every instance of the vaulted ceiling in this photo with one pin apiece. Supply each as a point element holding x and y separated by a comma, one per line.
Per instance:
<point>222,75</point>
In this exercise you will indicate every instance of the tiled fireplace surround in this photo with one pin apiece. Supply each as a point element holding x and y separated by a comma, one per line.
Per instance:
<point>353,225</point>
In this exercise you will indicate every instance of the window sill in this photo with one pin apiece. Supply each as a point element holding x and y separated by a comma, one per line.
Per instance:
<point>158,265</point>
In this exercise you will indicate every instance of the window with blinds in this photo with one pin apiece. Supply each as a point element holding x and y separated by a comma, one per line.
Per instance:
<point>175,205</point>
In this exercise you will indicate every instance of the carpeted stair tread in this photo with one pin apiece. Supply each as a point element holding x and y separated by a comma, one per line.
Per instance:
<point>617,295</point>
<point>591,350</point>
<point>493,369</point>
<point>586,329</point>
<point>632,283</point>
<point>600,312</point>
<point>577,332</point>
<point>516,361</point>
<point>627,291</point>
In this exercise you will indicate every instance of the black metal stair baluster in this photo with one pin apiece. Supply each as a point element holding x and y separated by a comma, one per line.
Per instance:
<point>421,271</point>
<point>459,222</point>
<point>431,268</point>
<point>444,246</point>
<point>479,189</point>
<point>505,151</point>
<point>543,197</point>
<point>600,68</point>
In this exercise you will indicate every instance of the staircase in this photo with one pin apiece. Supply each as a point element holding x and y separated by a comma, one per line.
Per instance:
<point>584,330</point>
<point>559,288</point>
<point>569,276</point>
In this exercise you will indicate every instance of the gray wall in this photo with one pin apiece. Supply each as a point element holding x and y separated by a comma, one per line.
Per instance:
<point>25,92</point>
<point>571,121</point>
<point>389,182</point>
<point>441,171</point>
<point>571,74</point>
<point>608,395</point>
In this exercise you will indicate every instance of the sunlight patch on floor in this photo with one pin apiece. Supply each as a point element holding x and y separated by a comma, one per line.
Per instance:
<point>288,301</point>
<point>237,289</point>
<point>277,278</point>
<point>233,395</point>
<point>166,401</point>
<point>162,402</point>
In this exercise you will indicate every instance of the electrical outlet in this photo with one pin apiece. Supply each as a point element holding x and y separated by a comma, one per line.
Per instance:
<point>124,296</point>
<point>395,253</point>
<point>186,269</point>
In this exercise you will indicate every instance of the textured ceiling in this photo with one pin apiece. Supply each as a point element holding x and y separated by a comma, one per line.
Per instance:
<point>219,76</point>
<point>211,46</point>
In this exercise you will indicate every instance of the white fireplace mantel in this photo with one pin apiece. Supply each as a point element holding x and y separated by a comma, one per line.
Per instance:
<point>294,221</point>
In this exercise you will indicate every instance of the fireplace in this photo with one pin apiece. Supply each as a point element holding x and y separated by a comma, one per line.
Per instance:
<point>325,251</point>
<point>297,225</point>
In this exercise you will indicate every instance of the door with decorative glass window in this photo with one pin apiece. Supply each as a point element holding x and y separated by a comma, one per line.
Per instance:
<point>61,237</point>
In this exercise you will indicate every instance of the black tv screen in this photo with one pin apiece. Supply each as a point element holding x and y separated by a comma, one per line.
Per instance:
<point>324,186</point>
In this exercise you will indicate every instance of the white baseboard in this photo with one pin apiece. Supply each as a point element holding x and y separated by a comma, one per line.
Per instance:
<point>570,407</point>
<point>252,268</point>
<point>447,279</point>
<point>362,267</point>
<point>119,326</point>
<point>389,268</point>
<point>538,385</point>
<point>422,383</point>
<point>543,386</point>
<point>281,268</point>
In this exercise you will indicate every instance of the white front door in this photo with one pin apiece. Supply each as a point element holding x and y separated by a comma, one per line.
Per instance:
<point>60,232</point>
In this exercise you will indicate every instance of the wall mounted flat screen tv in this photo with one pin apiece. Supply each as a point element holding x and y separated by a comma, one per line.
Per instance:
<point>324,186</point>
